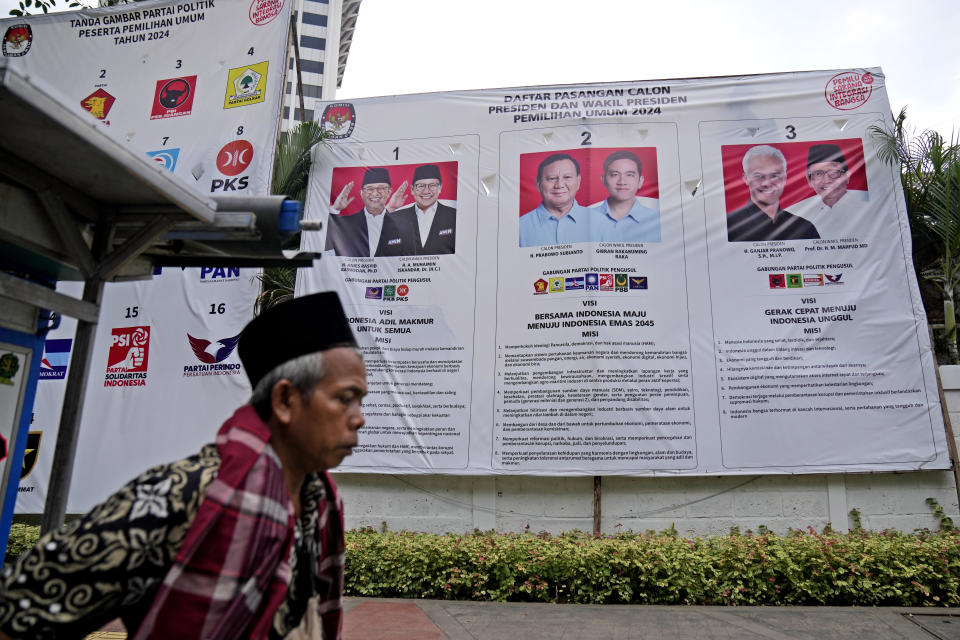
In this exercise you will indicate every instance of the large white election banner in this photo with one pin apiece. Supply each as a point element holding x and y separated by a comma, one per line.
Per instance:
<point>195,87</point>
<point>707,276</point>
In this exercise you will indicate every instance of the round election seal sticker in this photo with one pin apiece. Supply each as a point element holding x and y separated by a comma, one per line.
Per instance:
<point>17,40</point>
<point>849,90</point>
<point>264,11</point>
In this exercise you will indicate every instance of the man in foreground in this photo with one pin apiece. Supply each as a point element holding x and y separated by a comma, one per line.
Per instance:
<point>233,541</point>
<point>559,219</point>
<point>360,234</point>
<point>834,209</point>
<point>623,218</point>
<point>765,174</point>
<point>434,224</point>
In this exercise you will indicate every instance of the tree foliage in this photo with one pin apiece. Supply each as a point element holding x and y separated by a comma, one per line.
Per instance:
<point>290,170</point>
<point>930,175</point>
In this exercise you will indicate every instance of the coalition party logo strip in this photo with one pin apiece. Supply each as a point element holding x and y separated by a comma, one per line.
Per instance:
<point>617,282</point>
<point>803,280</point>
<point>388,293</point>
<point>128,357</point>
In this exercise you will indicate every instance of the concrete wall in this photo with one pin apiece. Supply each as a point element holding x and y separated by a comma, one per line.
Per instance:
<point>695,506</point>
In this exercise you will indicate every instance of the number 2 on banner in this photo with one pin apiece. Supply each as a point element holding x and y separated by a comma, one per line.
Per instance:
<point>586,139</point>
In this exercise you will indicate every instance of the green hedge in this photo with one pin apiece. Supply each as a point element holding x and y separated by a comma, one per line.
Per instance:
<point>802,568</point>
<point>858,568</point>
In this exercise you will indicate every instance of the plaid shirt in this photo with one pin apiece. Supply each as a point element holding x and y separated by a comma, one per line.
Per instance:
<point>223,548</point>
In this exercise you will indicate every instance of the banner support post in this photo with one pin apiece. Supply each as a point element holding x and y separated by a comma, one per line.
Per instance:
<point>951,442</point>
<point>597,496</point>
<point>296,60</point>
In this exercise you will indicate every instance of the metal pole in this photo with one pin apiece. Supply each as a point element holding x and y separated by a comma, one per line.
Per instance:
<point>296,60</point>
<point>597,495</point>
<point>951,441</point>
<point>62,470</point>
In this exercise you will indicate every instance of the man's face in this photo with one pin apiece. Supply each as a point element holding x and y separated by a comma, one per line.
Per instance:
<point>559,184</point>
<point>829,180</point>
<point>765,177</point>
<point>324,424</point>
<point>622,180</point>
<point>426,192</point>
<point>374,196</point>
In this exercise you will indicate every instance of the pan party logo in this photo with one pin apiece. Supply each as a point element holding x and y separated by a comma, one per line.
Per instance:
<point>339,119</point>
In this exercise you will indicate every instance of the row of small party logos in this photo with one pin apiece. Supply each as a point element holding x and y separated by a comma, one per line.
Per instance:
<point>801,280</point>
<point>128,357</point>
<point>621,282</point>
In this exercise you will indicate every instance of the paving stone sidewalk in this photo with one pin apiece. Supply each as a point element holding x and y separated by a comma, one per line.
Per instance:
<point>388,619</point>
<point>393,619</point>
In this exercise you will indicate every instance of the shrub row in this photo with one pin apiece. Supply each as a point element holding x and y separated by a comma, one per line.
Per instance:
<point>802,568</point>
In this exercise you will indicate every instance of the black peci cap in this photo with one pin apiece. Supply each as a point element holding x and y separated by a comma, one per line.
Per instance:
<point>426,172</point>
<point>376,175</point>
<point>825,153</point>
<point>293,329</point>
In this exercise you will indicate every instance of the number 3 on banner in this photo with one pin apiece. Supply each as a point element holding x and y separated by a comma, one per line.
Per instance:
<point>791,131</point>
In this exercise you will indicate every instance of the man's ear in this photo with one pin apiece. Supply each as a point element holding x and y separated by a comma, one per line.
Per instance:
<point>282,397</point>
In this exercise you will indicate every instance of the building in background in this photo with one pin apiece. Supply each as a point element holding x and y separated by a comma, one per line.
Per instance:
<point>324,33</point>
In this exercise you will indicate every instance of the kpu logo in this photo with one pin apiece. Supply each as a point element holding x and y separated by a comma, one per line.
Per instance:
<point>232,160</point>
<point>212,353</point>
<point>174,97</point>
<point>17,40</point>
<point>56,357</point>
<point>166,158</point>
<point>128,357</point>
<point>339,119</point>
<point>246,85</point>
<point>98,104</point>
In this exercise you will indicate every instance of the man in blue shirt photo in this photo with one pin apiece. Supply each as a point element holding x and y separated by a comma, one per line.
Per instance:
<point>623,217</point>
<point>559,219</point>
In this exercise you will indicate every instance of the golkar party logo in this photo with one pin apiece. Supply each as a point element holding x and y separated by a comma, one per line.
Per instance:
<point>173,97</point>
<point>339,119</point>
<point>246,85</point>
<point>212,353</point>
<point>128,357</point>
<point>17,40</point>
